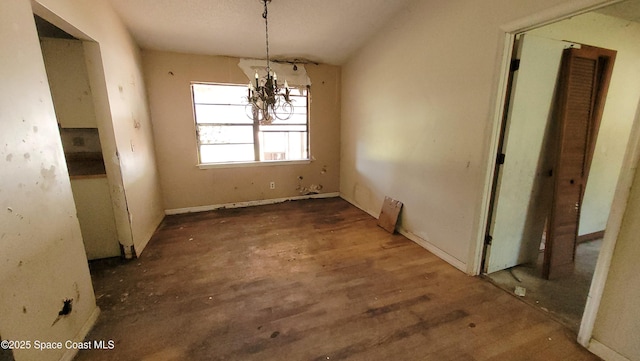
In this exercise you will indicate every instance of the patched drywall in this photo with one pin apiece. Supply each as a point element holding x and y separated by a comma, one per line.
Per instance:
<point>168,77</point>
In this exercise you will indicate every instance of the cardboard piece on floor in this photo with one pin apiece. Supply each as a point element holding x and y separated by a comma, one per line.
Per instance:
<point>389,214</point>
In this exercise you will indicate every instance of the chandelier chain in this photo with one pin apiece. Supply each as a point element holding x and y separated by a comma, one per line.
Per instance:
<point>265,15</point>
<point>266,100</point>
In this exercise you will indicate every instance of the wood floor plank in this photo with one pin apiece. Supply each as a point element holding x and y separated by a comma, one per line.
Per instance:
<point>307,280</point>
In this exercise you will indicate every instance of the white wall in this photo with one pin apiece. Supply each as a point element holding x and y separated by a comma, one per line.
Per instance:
<point>123,114</point>
<point>617,324</point>
<point>42,260</point>
<point>417,117</point>
<point>622,100</point>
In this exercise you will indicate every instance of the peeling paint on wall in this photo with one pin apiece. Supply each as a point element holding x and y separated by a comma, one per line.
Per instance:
<point>297,77</point>
<point>311,189</point>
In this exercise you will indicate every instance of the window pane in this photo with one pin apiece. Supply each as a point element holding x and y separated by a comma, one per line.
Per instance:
<point>220,134</point>
<point>294,119</point>
<point>227,114</point>
<point>226,133</point>
<point>284,145</point>
<point>298,91</point>
<point>219,94</point>
<point>283,128</point>
<point>226,153</point>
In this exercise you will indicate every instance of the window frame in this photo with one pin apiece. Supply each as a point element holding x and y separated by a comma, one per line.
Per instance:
<point>256,130</point>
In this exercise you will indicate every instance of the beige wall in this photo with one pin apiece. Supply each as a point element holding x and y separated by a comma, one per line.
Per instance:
<point>417,117</point>
<point>69,82</point>
<point>168,77</point>
<point>426,139</point>
<point>618,321</point>
<point>122,113</point>
<point>42,260</point>
<point>620,109</point>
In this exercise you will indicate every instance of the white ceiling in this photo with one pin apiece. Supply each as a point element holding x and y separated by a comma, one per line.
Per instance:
<point>324,31</point>
<point>628,10</point>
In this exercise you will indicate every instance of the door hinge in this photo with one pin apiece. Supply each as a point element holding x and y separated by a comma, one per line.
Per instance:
<point>500,158</point>
<point>488,239</point>
<point>515,65</point>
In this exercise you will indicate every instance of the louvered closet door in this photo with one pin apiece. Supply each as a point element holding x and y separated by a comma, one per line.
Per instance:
<point>582,90</point>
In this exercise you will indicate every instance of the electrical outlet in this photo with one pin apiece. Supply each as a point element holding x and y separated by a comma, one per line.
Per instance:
<point>272,185</point>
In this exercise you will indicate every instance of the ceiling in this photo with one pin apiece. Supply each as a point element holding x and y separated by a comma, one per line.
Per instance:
<point>627,10</point>
<point>323,31</point>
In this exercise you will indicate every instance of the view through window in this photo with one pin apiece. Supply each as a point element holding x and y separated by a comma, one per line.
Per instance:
<point>227,134</point>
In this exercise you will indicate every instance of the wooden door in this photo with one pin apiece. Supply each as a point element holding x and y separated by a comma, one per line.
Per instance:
<point>515,227</point>
<point>582,89</point>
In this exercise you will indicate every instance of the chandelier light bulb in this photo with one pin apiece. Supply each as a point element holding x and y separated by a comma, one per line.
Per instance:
<point>268,101</point>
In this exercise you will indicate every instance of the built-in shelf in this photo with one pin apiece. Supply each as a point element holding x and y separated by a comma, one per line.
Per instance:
<point>83,151</point>
<point>85,164</point>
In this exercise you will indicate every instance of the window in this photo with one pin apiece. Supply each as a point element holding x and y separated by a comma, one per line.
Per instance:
<point>226,134</point>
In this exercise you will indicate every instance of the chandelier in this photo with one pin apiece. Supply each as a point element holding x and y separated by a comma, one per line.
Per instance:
<point>267,100</point>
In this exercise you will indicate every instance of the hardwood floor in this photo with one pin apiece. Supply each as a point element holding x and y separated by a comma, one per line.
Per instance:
<point>307,280</point>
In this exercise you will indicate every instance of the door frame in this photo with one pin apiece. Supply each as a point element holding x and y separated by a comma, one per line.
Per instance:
<point>97,80</point>
<point>631,158</point>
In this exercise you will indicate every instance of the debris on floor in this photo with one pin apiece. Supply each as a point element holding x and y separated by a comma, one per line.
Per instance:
<point>520,291</point>
<point>514,275</point>
<point>389,214</point>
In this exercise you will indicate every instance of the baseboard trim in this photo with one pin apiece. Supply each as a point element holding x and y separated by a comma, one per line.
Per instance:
<point>590,237</point>
<point>604,352</point>
<point>418,240</point>
<point>247,203</point>
<point>355,204</point>
<point>70,354</point>
<point>435,250</point>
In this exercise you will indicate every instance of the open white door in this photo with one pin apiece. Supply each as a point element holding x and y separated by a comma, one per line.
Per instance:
<point>520,206</point>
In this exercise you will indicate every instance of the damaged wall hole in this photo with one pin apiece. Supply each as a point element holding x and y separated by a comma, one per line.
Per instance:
<point>311,189</point>
<point>67,307</point>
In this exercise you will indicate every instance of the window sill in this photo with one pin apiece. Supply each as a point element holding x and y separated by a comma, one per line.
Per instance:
<point>253,164</point>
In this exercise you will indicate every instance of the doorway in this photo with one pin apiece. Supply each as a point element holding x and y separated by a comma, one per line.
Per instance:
<point>66,65</point>
<point>515,270</point>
